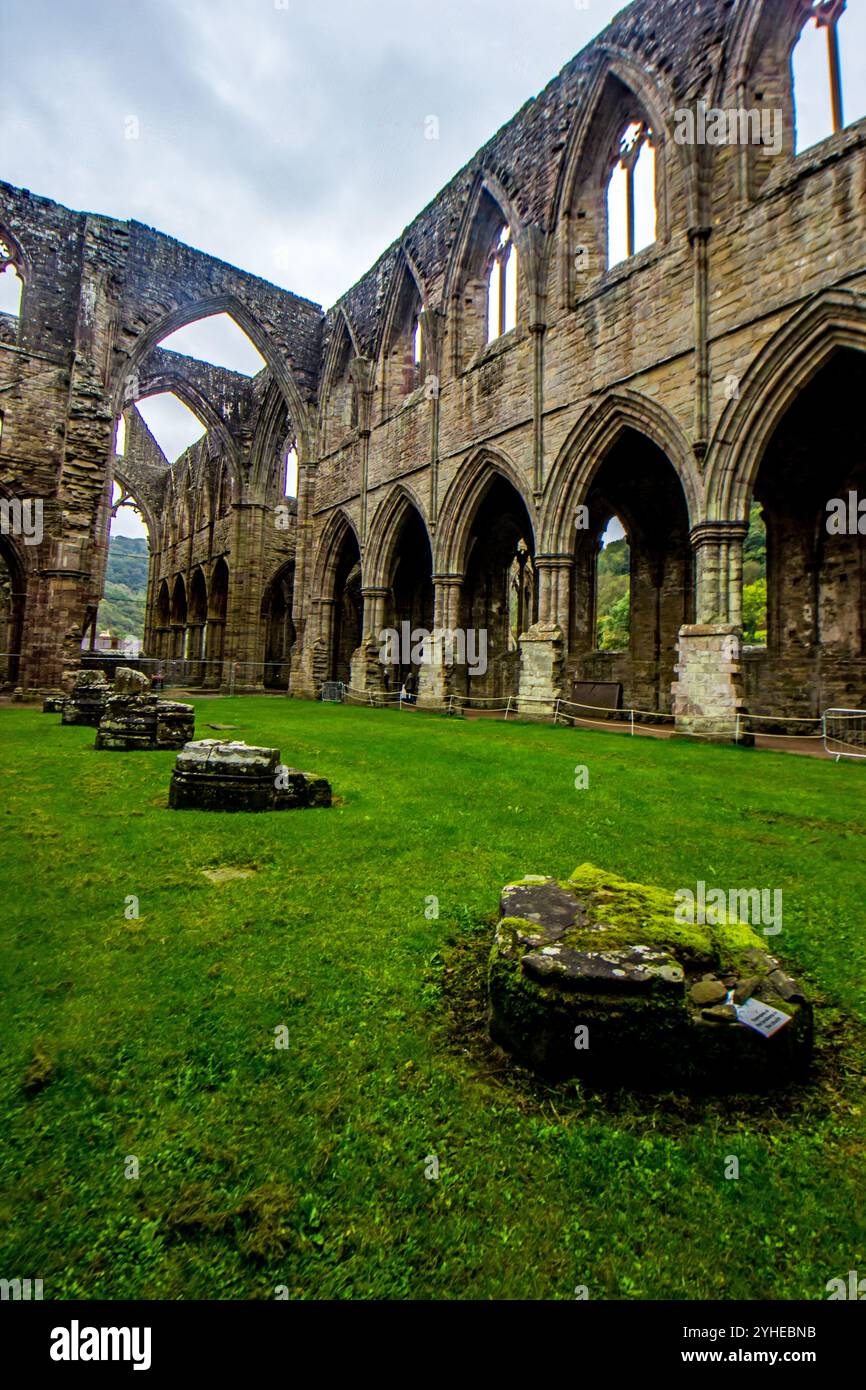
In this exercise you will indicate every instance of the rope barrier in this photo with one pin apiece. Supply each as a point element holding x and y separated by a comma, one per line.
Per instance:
<point>632,718</point>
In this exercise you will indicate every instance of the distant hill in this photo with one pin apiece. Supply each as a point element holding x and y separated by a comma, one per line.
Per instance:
<point>123,607</point>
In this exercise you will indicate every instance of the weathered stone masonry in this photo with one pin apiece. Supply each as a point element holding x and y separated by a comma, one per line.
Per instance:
<point>441,474</point>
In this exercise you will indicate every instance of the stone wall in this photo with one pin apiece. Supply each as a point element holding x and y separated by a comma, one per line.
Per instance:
<point>657,390</point>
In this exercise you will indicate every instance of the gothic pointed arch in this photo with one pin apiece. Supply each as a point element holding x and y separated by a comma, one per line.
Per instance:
<point>383,535</point>
<point>591,439</point>
<point>274,434</point>
<point>14,261</point>
<point>831,321</point>
<point>158,382</point>
<point>125,477</point>
<point>337,529</point>
<point>760,74</point>
<point>402,351</point>
<point>279,627</point>
<point>338,399</point>
<point>490,227</point>
<point>164,324</point>
<point>625,100</point>
<point>13,601</point>
<point>462,500</point>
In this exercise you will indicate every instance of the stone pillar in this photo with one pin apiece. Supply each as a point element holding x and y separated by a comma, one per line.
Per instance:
<point>435,676</point>
<point>708,691</point>
<point>367,669</point>
<point>374,612</point>
<point>244,637</point>
<point>718,551</point>
<point>541,666</point>
<point>554,584</point>
<point>708,694</point>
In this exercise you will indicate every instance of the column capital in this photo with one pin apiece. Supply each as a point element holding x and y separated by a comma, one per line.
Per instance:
<point>718,532</point>
<point>557,559</point>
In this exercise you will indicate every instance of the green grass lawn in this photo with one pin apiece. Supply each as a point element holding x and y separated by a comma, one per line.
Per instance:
<point>304,1167</point>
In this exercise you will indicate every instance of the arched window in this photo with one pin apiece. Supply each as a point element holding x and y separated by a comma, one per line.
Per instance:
<point>403,355</point>
<point>171,423</point>
<point>418,347</point>
<point>340,399</point>
<point>11,283</point>
<point>521,586</point>
<point>502,287</point>
<point>826,93</point>
<point>613,589</point>
<point>631,195</point>
<point>290,479</point>
<point>120,436</point>
<point>755,580</point>
<point>218,340</point>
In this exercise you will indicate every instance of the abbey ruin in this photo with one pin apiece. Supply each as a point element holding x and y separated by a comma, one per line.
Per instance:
<point>472,413</point>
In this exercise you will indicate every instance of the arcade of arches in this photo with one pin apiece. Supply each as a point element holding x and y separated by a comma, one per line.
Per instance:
<point>592,323</point>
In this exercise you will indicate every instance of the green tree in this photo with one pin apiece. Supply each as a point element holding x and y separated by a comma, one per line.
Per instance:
<point>755,613</point>
<point>122,609</point>
<point>755,548</point>
<point>614,626</point>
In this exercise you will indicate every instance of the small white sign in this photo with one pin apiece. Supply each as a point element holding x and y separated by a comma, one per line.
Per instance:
<point>762,1017</point>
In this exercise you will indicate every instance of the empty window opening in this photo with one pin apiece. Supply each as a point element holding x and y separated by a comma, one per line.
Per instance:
<point>829,66</point>
<point>120,617</point>
<point>521,586</point>
<point>10,283</point>
<point>755,580</point>
<point>219,341</point>
<point>172,424</point>
<point>290,485</point>
<point>631,195</point>
<point>414,368</point>
<point>502,287</point>
<point>613,589</point>
<point>120,436</point>
<point>126,516</point>
<point>413,358</point>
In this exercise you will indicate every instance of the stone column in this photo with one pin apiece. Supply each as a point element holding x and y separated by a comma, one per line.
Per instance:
<point>367,669</point>
<point>554,583</point>
<point>708,691</point>
<point>244,654</point>
<point>435,677</point>
<point>317,651</point>
<point>541,666</point>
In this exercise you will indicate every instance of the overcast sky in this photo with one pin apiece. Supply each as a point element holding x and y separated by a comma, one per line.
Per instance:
<point>284,136</point>
<point>286,139</point>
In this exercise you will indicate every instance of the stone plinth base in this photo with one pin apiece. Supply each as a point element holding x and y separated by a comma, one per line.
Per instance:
<point>133,722</point>
<point>86,704</point>
<point>597,978</point>
<point>214,776</point>
<point>708,694</point>
<point>540,685</point>
<point>434,684</point>
<point>366,670</point>
<point>54,704</point>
